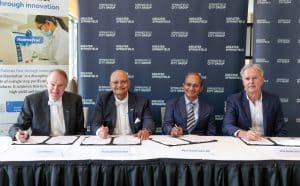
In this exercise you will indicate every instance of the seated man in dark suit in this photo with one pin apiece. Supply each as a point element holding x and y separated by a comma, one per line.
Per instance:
<point>121,112</point>
<point>253,113</point>
<point>51,112</point>
<point>187,114</point>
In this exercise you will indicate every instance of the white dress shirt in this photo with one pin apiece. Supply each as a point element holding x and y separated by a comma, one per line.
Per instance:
<point>122,121</point>
<point>256,112</point>
<point>57,118</point>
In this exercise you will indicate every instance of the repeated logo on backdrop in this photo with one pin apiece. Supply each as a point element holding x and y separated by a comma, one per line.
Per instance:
<point>157,43</point>
<point>276,48</point>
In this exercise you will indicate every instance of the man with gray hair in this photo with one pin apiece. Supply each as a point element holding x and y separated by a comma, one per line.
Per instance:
<point>52,112</point>
<point>253,113</point>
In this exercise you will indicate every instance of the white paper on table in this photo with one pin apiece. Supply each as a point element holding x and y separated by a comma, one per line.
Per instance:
<point>286,141</point>
<point>262,141</point>
<point>95,140</point>
<point>198,139</point>
<point>62,140</point>
<point>126,140</point>
<point>5,143</point>
<point>168,140</point>
<point>32,140</point>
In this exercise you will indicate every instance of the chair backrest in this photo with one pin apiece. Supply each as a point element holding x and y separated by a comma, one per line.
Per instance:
<point>72,86</point>
<point>162,113</point>
<point>85,115</point>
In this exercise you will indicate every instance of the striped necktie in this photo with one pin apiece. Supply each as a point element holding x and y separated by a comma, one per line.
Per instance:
<point>190,117</point>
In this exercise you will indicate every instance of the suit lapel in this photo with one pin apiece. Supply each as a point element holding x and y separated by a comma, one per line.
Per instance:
<point>66,110</point>
<point>47,114</point>
<point>182,107</point>
<point>264,107</point>
<point>131,105</point>
<point>112,110</point>
<point>246,107</point>
<point>201,111</point>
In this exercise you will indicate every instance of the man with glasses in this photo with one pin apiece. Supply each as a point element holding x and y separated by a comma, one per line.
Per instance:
<point>187,114</point>
<point>121,112</point>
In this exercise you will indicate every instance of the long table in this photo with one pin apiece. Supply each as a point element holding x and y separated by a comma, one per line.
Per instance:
<point>226,161</point>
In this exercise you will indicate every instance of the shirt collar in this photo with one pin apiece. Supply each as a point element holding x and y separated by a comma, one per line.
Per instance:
<point>124,101</point>
<point>259,100</point>
<point>187,101</point>
<point>57,102</point>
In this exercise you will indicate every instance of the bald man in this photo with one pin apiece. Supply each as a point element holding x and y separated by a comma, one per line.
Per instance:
<point>121,112</point>
<point>52,112</point>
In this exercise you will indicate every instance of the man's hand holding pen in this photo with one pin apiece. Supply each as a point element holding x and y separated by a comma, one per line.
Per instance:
<point>103,132</point>
<point>176,131</point>
<point>251,134</point>
<point>143,134</point>
<point>22,136</point>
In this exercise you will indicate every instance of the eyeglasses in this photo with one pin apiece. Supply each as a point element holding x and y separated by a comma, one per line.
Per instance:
<point>191,85</point>
<point>121,82</point>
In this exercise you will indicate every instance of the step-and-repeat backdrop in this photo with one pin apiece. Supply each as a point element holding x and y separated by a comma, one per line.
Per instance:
<point>157,43</point>
<point>277,49</point>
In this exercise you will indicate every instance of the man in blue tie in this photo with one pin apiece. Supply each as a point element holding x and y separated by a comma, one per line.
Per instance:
<point>121,112</point>
<point>187,114</point>
<point>52,112</point>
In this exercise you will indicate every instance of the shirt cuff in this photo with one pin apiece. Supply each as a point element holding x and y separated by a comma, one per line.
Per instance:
<point>236,133</point>
<point>97,131</point>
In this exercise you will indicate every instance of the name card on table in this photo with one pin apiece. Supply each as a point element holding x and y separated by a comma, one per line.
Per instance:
<point>195,151</point>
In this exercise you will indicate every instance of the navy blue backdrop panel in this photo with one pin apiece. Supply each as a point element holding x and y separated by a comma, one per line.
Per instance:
<point>276,48</point>
<point>157,43</point>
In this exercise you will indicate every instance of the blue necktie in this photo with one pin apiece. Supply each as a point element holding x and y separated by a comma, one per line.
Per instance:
<point>190,117</point>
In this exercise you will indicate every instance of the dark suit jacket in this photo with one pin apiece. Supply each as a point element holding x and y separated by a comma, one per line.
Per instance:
<point>237,115</point>
<point>176,114</point>
<point>35,114</point>
<point>138,107</point>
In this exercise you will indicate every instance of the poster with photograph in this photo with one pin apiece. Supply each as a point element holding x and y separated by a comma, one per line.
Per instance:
<point>34,40</point>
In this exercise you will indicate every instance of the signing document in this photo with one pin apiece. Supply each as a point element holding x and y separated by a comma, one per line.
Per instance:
<point>263,141</point>
<point>96,140</point>
<point>198,139</point>
<point>62,140</point>
<point>168,140</point>
<point>126,140</point>
<point>292,141</point>
<point>33,140</point>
